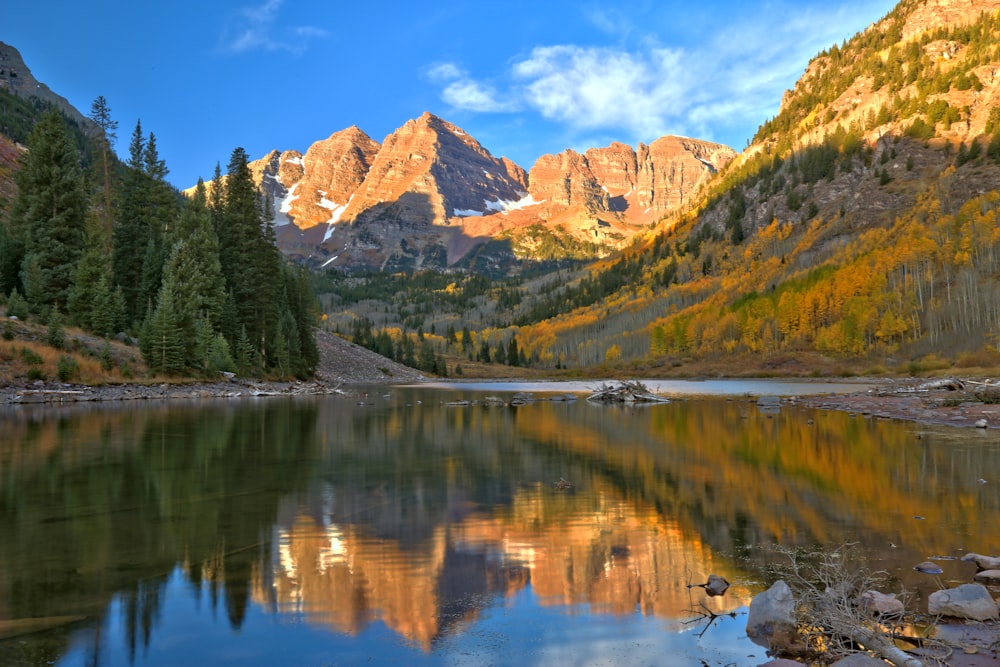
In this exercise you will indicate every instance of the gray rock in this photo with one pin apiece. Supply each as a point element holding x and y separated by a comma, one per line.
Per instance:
<point>881,603</point>
<point>859,660</point>
<point>966,601</point>
<point>781,662</point>
<point>983,562</point>
<point>988,577</point>
<point>771,619</point>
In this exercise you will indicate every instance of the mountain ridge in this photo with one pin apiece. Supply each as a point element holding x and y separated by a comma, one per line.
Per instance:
<point>430,193</point>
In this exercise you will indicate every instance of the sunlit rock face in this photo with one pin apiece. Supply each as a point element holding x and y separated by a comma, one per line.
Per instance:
<point>332,171</point>
<point>430,194</point>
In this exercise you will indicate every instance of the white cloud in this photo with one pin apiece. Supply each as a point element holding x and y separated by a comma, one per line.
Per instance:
<point>472,96</point>
<point>444,72</point>
<point>729,81</point>
<point>597,87</point>
<point>462,92</point>
<point>256,27</point>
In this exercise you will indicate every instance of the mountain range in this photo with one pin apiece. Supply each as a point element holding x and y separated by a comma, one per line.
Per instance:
<point>431,196</point>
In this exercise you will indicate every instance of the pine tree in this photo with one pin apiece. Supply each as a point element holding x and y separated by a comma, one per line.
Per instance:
<point>49,213</point>
<point>513,358</point>
<point>162,341</point>
<point>100,113</point>
<point>93,273</point>
<point>149,207</point>
<point>11,256</point>
<point>130,234</point>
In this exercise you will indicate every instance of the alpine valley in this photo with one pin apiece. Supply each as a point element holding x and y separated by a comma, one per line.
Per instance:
<point>858,232</point>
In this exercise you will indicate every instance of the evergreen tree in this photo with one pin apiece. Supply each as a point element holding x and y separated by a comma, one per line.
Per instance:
<point>130,234</point>
<point>11,256</point>
<point>513,358</point>
<point>162,341</point>
<point>93,273</point>
<point>251,262</point>
<point>501,354</point>
<point>149,207</point>
<point>100,113</point>
<point>49,213</point>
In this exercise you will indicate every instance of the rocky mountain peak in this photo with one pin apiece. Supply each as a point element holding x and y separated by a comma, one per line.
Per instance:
<point>333,169</point>
<point>428,171</point>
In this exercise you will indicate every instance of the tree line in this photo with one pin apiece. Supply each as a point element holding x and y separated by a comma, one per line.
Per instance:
<point>199,282</point>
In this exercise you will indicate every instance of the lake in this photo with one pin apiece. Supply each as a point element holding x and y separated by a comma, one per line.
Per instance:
<point>393,526</point>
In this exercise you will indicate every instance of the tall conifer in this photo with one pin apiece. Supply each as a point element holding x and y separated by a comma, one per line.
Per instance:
<point>49,213</point>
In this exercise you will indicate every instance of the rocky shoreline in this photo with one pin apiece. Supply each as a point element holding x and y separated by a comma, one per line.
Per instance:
<point>342,363</point>
<point>954,402</point>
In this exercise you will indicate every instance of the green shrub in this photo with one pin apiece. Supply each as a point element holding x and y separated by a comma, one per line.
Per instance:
<point>67,368</point>
<point>35,373</point>
<point>31,357</point>
<point>56,335</point>
<point>17,306</point>
<point>107,358</point>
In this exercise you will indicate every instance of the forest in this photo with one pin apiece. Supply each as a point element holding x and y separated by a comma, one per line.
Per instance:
<point>198,283</point>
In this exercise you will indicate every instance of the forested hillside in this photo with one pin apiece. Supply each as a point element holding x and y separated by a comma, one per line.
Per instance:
<point>860,224</point>
<point>115,250</point>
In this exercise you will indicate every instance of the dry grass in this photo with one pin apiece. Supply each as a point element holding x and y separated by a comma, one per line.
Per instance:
<point>26,357</point>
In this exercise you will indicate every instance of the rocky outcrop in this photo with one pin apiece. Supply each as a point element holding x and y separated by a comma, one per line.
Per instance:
<point>16,78</point>
<point>672,169</point>
<point>565,180</point>
<point>634,185</point>
<point>428,171</point>
<point>932,14</point>
<point>332,171</point>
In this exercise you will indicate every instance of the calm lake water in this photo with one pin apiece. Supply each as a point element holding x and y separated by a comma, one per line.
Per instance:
<point>391,527</point>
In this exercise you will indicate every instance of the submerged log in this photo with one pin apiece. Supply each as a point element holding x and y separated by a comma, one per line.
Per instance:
<point>626,391</point>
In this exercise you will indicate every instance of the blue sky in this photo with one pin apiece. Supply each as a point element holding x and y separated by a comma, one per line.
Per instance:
<point>524,78</point>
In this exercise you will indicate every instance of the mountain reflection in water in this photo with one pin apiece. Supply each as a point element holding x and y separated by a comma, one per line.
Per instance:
<point>436,523</point>
<point>579,549</point>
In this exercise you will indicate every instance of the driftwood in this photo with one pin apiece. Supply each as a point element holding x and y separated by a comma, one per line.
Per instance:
<point>626,391</point>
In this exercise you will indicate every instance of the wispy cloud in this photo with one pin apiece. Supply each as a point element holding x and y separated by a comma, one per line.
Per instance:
<point>462,92</point>
<point>733,79</point>
<point>257,28</point>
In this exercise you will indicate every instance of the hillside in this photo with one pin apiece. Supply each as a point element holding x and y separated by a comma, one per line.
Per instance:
<point>860,223</point>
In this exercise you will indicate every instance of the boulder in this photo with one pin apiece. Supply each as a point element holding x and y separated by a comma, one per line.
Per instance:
<point>881,603</point>
<point>971,601</point>
<point>859,660</point>
<point>988,577</point>
<point>781,662</point>
<point>771,619</point>
<point>983,562</point>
